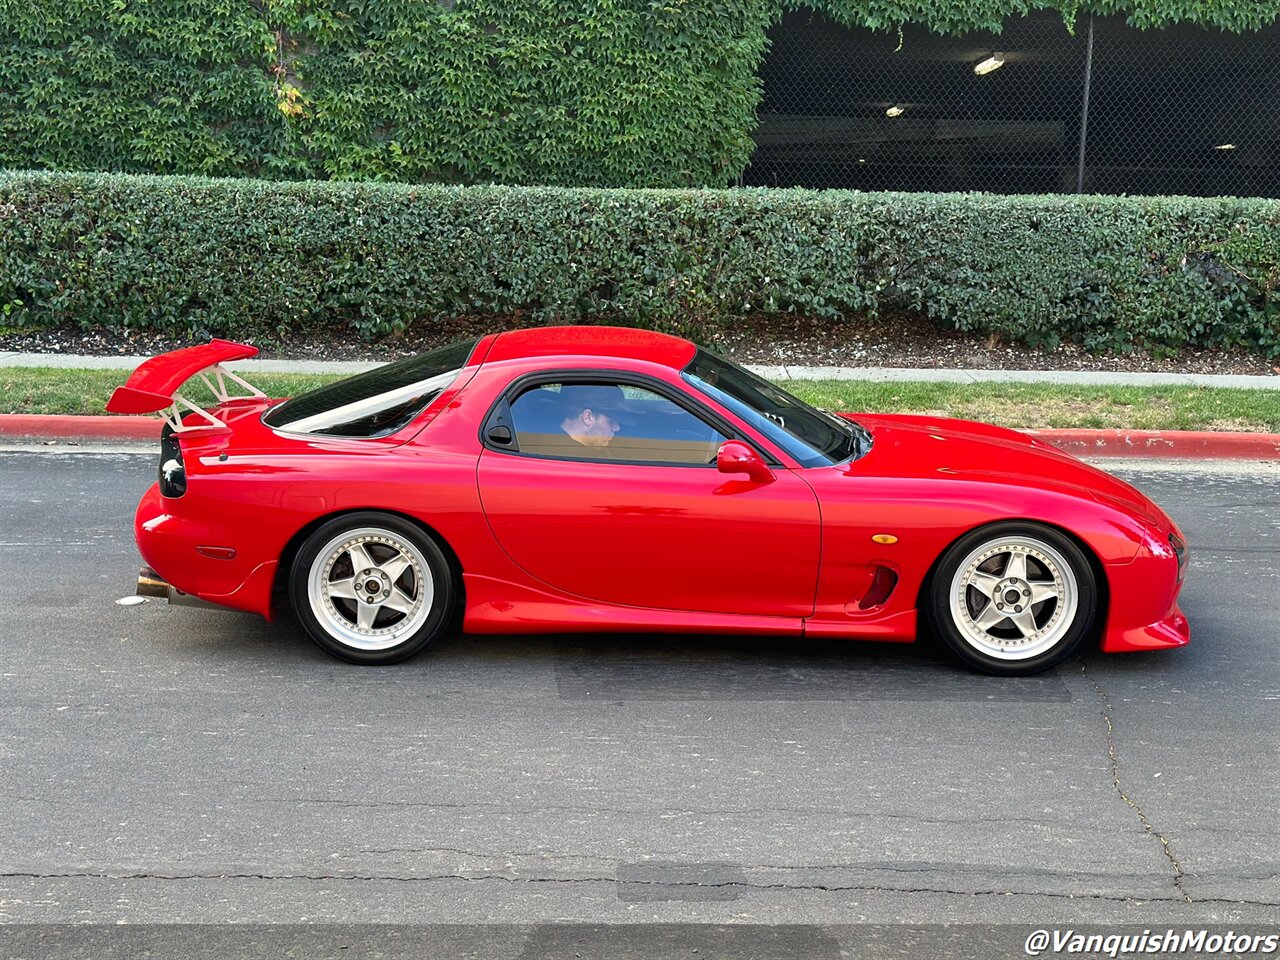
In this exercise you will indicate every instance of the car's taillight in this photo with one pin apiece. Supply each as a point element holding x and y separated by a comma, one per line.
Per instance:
<point>173,473</point>
<point>1180,551</point>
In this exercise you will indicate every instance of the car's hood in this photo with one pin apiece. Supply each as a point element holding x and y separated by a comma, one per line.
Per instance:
<point>937,446</point>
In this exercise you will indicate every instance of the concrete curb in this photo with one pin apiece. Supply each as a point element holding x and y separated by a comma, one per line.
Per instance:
<point>1178,444</point>
<point>46,427</point>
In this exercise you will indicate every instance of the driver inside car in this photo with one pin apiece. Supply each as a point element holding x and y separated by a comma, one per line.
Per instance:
<point>593,413</point>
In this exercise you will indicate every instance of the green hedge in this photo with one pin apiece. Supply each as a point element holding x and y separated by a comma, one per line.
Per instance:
<point>241,257</point>
<point>581,92</point>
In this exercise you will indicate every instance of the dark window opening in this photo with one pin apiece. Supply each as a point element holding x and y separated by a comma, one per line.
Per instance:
<point>376,403</point>
<point>1184,110</point>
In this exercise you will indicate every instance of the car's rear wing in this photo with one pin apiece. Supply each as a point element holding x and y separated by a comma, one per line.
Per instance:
<point>153,386</point>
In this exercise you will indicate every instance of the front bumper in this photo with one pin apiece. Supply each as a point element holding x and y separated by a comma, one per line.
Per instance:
<point>1144,612</point>
<point>1170,631</point>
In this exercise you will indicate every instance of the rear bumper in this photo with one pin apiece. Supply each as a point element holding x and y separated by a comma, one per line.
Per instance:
<point>168,544</point>
<point>151,584</point>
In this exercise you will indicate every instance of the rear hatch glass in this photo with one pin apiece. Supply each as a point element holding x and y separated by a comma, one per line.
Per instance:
<point>376,403</point>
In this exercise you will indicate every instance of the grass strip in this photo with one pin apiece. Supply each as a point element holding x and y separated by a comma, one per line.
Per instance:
<point>69,391</point>
<point>1038,405</point>
<point>48,390</point>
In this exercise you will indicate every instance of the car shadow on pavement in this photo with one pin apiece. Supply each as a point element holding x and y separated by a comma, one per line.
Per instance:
<point>641,667</point>
<point>659,668</point>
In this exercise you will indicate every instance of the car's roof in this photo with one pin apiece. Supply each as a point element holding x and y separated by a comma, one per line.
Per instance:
<point>622,342</point>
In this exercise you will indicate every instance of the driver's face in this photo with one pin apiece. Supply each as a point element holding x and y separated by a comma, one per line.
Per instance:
<point>597,428</point>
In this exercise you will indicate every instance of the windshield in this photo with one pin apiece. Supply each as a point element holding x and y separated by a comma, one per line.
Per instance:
<point>376,403</point>
<point>814,438</point>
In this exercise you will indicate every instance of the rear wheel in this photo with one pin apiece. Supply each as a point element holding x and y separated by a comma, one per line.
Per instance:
<point>1013,598</point>
<point>371,588</point>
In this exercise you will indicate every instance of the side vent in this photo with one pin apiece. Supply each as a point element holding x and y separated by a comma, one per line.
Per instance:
<point>882,585</point>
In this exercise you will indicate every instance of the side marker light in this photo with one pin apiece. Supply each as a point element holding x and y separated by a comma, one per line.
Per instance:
<point>217,553</point>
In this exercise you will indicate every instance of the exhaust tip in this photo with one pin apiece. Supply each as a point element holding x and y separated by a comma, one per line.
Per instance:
<point>150,585</point>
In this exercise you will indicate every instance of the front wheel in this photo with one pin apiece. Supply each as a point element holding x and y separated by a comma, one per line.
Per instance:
<point>1013,598</point>
<point>371,588</point>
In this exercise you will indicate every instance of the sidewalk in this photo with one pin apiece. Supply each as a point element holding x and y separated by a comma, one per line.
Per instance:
<point>771,372</point>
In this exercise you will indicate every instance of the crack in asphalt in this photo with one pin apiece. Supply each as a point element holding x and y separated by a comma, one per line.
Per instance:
<point>815,887</point>
<point>1113,754</point>
<point>845,867</point>
<point>866,867</point>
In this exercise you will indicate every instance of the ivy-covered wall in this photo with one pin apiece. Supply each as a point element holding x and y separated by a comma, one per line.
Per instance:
<point>582,92</point>
<point>138,85</point>
<point>590,92</point>
<point>586,92</point>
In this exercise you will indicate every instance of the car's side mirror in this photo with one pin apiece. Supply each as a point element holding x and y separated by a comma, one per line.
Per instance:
<point>734,456</point>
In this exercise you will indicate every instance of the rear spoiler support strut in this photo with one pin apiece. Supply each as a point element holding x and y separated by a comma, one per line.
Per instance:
<point>218,387</point>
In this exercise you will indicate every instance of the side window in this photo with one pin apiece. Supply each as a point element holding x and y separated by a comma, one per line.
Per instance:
<point>609,421</point>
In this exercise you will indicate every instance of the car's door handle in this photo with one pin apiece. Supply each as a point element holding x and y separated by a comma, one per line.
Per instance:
<point>500,433</point>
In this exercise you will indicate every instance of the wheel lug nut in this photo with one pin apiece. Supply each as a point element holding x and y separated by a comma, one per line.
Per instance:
<point>999,606</point>
<point>1026,593</point>
<point>1018,608</point>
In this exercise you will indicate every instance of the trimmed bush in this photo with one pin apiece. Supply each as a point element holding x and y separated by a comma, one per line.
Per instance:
<point>251,257</point>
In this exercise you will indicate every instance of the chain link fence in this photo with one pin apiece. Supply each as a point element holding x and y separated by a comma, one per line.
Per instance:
<point>1033,109</point>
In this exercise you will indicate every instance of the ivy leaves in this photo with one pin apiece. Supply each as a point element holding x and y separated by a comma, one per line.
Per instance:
<point>636,93</point>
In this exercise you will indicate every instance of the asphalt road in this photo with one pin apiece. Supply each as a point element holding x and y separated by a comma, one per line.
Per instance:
<point>166,764</point>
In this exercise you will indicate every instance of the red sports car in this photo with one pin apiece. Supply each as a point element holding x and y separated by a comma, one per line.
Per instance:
<point>609,479</point>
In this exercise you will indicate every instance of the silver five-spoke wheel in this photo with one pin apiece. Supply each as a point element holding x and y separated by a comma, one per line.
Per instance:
<point>371,588</point>
<point>1013,597</point>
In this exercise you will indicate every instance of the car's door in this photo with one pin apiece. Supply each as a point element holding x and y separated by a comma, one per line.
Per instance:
<point>645,519</point>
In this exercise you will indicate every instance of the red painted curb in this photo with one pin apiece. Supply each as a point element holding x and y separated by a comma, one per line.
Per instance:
<point>43,427</point>
<point>1182,444</point>
<point>1097,443</point>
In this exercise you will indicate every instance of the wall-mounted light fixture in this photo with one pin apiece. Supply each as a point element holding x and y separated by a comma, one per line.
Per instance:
<point>989,65</point>
<point>895,111</point>
<point>1225,146</point>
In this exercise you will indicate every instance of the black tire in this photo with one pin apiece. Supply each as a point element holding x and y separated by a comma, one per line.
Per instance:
<point>409,610</point>
<point>961,604</point>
